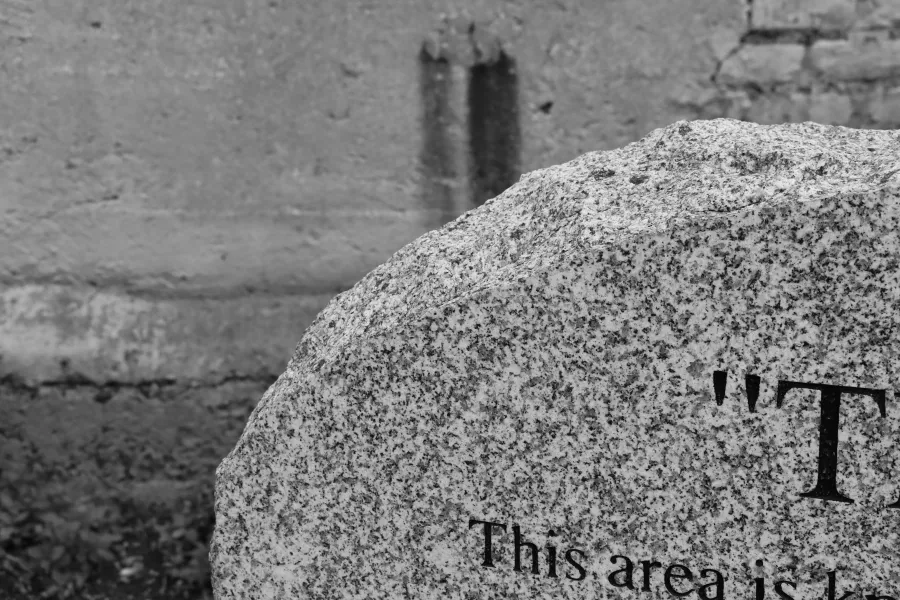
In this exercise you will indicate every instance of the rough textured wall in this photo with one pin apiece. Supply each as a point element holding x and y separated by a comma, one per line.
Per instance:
<point>184,185</point>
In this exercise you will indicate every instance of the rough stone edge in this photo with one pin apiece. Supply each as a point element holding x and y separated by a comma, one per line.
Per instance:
<point>351,314</point>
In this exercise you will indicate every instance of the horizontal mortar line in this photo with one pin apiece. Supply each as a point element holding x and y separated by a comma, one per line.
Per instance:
<point>17,383</point>
<point>280,211</point>
<point>806,36</point>
<point>114,287</point>
<point>821,84</point>
<point>762,37</point>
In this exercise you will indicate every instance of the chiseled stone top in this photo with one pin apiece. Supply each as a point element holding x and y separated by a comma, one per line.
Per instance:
<point>624,360</point>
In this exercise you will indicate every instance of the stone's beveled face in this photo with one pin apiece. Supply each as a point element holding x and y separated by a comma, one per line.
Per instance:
<point>664,370</point>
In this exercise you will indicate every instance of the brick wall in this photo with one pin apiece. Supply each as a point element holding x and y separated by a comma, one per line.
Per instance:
<point>184,185</point>
<point>832,61</point>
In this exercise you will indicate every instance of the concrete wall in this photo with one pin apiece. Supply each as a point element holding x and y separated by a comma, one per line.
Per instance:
<point>185,184</point>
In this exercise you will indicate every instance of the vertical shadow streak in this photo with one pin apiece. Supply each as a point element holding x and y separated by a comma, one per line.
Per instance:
<point>436,155</point>
<point>494,134</point>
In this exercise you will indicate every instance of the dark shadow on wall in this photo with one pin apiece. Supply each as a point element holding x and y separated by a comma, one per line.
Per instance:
<point>494,136</point>
<point>437,158</point>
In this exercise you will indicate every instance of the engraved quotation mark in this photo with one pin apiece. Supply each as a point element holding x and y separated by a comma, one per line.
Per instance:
<point>829,425</point>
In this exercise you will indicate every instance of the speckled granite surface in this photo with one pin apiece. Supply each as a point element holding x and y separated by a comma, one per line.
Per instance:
<point>548,362</point>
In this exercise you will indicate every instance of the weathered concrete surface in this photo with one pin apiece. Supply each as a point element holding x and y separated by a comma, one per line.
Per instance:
<point>798,14</point>
<point>844,60</point>
<point>199,147</point>
<point>763,65</point>
<point>886,106</point>
<point>184,253</point>
<point>62,333</point>
<point>204,146</point>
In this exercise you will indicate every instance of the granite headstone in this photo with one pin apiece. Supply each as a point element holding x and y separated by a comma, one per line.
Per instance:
<point>666,370</point>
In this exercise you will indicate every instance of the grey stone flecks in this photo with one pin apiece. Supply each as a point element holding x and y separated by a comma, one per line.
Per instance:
<point>546,360</point>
